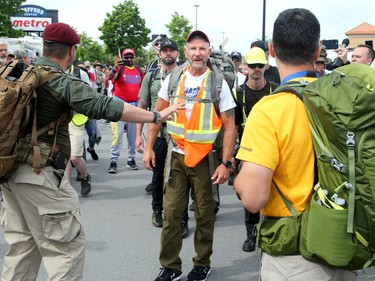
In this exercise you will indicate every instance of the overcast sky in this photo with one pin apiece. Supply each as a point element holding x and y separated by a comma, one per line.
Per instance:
<point>240,21</point>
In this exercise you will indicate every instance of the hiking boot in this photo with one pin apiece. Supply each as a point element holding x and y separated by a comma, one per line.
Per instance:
<point>94,156</point>
<point>157,218</point>
<point>167,274</point>
<point>112,168</point>
<point>192,206</point>
<point>148,188</point>
<point>86,185</point>
<point>199,273</point>
<point>184,229</point>
<point>131,165</point>
<point>250,242</point>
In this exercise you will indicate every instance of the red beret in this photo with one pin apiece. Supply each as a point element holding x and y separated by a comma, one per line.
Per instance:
<point>60,32</point>
<point>128,51</point>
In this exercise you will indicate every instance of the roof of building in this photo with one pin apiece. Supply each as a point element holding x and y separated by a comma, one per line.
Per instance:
<point>363,28</point>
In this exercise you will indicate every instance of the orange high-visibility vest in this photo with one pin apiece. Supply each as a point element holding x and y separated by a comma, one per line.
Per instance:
<point>196,135</point>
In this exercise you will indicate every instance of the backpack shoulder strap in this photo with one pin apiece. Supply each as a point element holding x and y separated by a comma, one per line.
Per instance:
<point>273,86</point>
<point>7,69</point>
<point>291,87</point>
<point>152,76</point>
<point>174,78</point>
<point>216,87</point>
<point>288,204</point>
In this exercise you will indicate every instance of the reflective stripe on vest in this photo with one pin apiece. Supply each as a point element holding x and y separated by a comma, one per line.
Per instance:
<point>196,135</point>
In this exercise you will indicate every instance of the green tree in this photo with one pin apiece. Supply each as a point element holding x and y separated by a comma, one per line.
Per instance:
<point>90,50</point>
<point>124,28</point>
<point>179,29</point>
<point>9,8</point>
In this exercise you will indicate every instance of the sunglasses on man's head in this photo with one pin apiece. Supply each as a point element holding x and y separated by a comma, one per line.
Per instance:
<point>128,57</point>
<point>253,66</point>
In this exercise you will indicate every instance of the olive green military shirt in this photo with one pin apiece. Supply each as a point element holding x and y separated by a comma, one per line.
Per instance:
<point>64,94</point>
<point>149,92</point>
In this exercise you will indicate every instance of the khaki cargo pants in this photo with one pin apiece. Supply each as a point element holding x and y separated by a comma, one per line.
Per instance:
<point>175,201</point>
<point>296,268</point>
<point>41,220</point>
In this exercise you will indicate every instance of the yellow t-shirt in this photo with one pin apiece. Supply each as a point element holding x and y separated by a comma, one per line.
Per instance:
<point>277,136</point>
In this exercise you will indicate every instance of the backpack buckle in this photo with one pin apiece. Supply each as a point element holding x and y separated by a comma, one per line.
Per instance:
<point>350,140</point>
<point>337,165</point>
<point>348,185</point>
<point>304,82</point>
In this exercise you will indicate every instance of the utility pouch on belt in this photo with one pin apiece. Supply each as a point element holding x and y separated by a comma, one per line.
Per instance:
<point>280,235</point>
<point>25,152</point>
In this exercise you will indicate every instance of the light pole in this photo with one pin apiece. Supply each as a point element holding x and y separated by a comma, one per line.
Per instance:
<point>196,16</point>
<point>264,21</point>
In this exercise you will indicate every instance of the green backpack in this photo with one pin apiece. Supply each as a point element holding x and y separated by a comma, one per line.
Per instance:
<point>338,226</point>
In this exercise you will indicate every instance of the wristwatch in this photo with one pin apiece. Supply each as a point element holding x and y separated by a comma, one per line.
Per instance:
<point>227,164</point>
<point>157,117</point>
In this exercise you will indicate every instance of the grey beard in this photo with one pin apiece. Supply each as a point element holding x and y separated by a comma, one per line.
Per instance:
<point>3,61</point>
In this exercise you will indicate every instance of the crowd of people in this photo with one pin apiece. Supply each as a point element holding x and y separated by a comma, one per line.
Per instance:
<point>183,153</point>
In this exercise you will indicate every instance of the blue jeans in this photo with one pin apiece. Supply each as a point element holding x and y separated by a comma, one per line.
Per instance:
<point>118,134</point>
<point>90,127</point>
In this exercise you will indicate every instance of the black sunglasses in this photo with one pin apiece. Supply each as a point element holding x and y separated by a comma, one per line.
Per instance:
<point>259,65</point>
<point>128,58</point>
<point>235,59</point>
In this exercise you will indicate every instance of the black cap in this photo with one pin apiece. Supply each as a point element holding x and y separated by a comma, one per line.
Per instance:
<point>168,43</point>
<point>236,54</point>
<point>199,34</point>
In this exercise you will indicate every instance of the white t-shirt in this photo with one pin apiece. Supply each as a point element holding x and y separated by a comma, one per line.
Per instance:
<point>192,85</point>
<point>240,78</point>
<point>85,77</point>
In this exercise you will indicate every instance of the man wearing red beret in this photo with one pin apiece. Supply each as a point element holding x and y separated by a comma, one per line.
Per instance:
<point>41,214</point>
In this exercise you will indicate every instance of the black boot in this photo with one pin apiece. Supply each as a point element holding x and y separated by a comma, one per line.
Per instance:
<point>249,244</point>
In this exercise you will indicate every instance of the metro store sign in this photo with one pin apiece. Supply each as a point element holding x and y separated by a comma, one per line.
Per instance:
<point>30,24</point>
<point>33,18</point>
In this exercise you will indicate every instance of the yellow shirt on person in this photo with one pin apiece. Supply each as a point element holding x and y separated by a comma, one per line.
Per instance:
<point>277,136</point>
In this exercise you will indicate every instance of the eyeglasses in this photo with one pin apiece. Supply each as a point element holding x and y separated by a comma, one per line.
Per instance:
<point>157,44</point>
<point>235,59</point>
<point>128,58</point>
<point>253,66</point>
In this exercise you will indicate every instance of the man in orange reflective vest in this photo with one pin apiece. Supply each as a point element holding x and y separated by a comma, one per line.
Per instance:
<point>193,162</point>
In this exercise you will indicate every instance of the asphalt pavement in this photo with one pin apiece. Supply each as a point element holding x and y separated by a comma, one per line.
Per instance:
<point>123,245</point>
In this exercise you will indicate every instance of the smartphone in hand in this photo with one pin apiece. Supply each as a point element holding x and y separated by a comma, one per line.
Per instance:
<point>332,44</point>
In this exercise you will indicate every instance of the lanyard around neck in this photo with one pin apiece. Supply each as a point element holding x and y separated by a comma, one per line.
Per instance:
<point>299,74</point>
